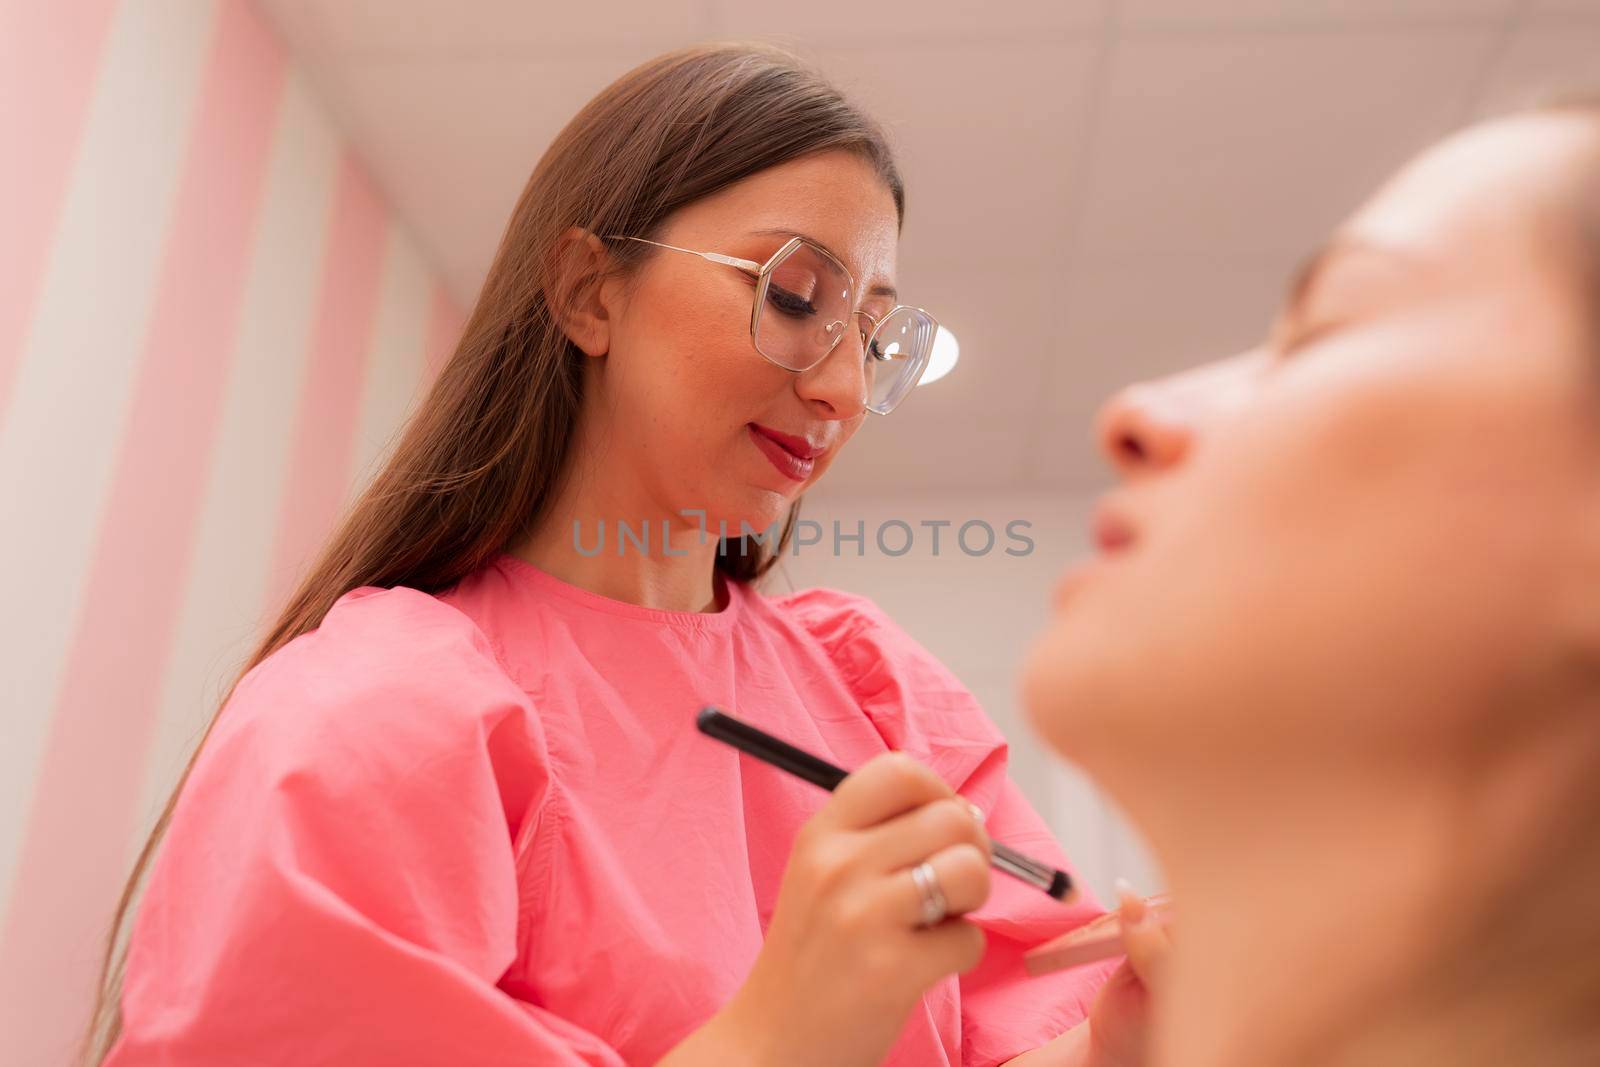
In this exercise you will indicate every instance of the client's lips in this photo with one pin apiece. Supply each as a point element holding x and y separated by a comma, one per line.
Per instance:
<point>798,447</point>
<point>1112,531</point>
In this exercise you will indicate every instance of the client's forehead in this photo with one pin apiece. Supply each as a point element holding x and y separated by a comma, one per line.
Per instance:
<point>1488,193</point>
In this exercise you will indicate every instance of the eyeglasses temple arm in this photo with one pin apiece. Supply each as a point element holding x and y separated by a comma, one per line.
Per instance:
<point>747,265</point>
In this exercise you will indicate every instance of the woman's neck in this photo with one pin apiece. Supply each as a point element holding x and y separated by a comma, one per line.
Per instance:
<point>636,577</point>
<point>1387,923</point>
<point>608,537</point>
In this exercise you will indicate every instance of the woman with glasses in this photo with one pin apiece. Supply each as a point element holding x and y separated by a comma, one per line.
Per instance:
<point>456,810</point>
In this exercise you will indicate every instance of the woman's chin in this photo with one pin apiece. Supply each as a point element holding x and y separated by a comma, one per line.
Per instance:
<point>758,510</point>
<point>1088,689</point>
<point>1051,686</point>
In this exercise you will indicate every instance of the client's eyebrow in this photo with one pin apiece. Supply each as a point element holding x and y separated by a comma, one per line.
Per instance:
<point>1311,269</point>
<point>877,290</point>
<point>1317,265</point>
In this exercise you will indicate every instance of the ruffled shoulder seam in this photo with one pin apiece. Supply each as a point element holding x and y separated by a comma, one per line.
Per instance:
<point>834,620</point>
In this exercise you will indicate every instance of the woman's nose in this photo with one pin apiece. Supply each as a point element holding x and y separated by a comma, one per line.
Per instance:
<point>1151,426</point>
<point>839,382</point>
<point>1140,430</point>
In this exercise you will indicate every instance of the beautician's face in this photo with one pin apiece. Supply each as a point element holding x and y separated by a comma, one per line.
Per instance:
<point>684,385</point>
<point>1376,535</point>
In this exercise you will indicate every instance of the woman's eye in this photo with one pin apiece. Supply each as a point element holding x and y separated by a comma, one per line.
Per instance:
<point>789,303</point>
<point>884,354</point>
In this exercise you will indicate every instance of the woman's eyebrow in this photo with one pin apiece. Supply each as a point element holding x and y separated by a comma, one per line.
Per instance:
<point>877,290</point>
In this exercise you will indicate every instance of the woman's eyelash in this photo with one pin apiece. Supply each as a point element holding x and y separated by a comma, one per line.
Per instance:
<point>789,302</point>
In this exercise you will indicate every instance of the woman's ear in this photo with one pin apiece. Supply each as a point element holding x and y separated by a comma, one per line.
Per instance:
<point>577,294</point>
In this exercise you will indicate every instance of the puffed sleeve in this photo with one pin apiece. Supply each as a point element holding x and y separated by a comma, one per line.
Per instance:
<point>339,884</point>
<point>919,707</point>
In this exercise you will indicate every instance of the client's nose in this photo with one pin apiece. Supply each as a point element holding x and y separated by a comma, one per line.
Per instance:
<point>1139,430</point>
<point>1151,426</point>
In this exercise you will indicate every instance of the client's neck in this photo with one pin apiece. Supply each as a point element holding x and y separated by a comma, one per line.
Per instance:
<point>1401,923</point>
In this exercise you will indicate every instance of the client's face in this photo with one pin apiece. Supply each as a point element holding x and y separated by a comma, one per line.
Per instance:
<point>1373,540</point>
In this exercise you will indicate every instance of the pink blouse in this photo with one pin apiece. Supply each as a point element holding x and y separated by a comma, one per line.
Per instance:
<point>481,828</point>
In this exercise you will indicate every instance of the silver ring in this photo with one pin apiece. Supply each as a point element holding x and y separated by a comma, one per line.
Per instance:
<point>934,907</point>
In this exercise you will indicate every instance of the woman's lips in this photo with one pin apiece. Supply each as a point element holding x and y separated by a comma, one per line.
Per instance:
<point>1112,535</point>
<point>796,467</point>
<point>1068,582</point>
<point>1112,532</point>
<point>797,445</point>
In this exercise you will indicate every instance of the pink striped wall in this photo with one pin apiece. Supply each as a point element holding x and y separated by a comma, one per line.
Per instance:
<point>52,49</point>
<point>323,443</point>
<point>445,322</point>
<point>86,729</point>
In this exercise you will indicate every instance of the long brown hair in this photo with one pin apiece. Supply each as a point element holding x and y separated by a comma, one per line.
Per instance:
<point>479,461</point>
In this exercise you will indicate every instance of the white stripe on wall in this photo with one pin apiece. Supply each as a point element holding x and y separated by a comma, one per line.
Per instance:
<point>58,445</point>
<point>224,591</point>
<point>394,367</point>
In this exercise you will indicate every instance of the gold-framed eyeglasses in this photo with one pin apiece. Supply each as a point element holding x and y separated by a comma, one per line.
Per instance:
<point>805,298</point>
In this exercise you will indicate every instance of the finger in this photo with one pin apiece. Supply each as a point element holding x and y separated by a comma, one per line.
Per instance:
<point>1145,938</point>
<point>883,787</point>
<point>1130,905</point>
<point>961,873</point>
<point>909,839</point>
<point>1148,946</point>
<point>955,946</point>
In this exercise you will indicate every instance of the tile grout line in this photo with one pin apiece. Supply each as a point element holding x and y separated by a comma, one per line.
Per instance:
<point>1088,139</point>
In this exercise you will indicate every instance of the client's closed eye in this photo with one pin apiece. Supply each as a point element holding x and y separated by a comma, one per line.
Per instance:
<point>1345,282</point>
<point>1292,333</point>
